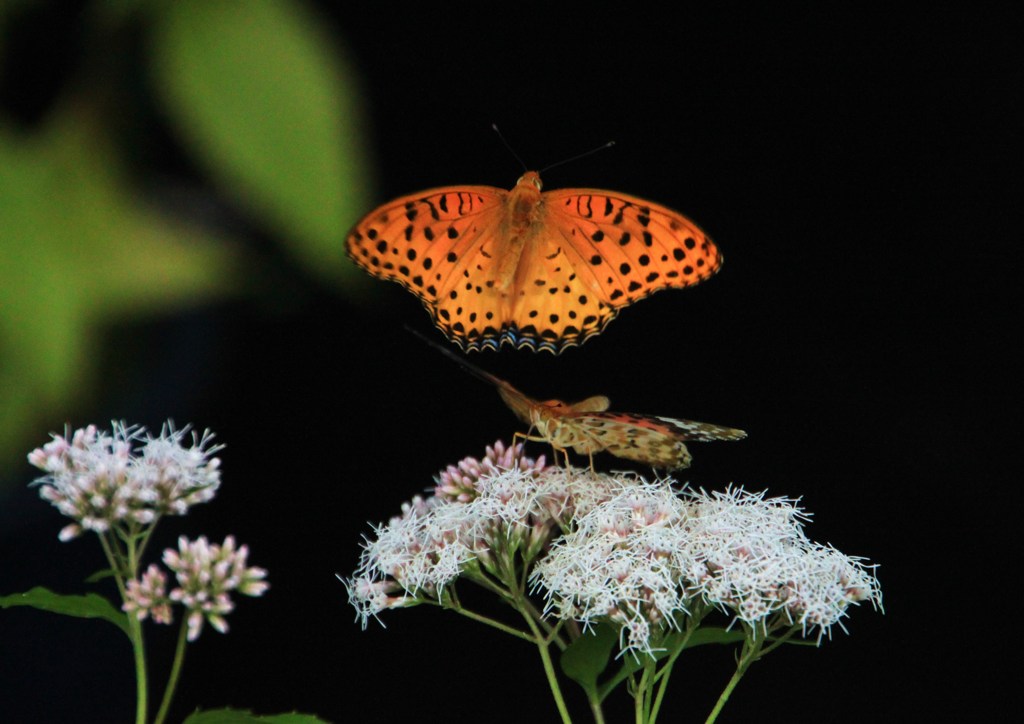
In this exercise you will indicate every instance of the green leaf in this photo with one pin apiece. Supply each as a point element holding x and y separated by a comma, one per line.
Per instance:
<point>588,656</point>
<point>706,635</point>
<point>100,575</point>
<point>90,605</point>
<point>268,106</point>
<point>239,716</point>
<point>80,250</point>
<point>632,662</point>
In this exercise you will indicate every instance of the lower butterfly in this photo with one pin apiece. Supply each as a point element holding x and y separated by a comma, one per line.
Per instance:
<point>542,271</point>
<point>587,427</point>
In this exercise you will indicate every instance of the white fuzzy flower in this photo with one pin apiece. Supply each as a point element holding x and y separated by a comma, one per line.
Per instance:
<point>636,553</point>
<point>621,563</point>
<point>640,558</point>
<point>754,560</point>
<point>458,481</point>
<point>100,479</point>
<point>479,509</point>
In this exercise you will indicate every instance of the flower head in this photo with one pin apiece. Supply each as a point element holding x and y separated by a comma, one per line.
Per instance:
<point>147,596</point>
<point>126,476</point>
<point>482,515</point>
<point>621,563</point>
<point>646,556</point>
<point>614,548</point>
<point>206,575</point>
<point>458,482</point>
<point>753,559</point>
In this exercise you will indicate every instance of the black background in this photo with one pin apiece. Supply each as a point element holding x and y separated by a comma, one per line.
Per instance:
<point>859,172</point>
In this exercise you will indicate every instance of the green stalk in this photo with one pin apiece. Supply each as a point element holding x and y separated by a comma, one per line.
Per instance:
<point>139,653</point>
<point>117,559</point>
<point>639,693</point>
<point>751,652</point>
<point>666,671</point>
<point>543,647</point>
<point>496,624</point>
<point>556,691</point>
<point>172,681</point>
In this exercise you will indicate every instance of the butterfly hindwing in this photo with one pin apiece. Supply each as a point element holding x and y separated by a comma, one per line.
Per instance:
<point>419,240</point>
<point>544,271</point>
<point>657,441</point>
<point>633,437</point>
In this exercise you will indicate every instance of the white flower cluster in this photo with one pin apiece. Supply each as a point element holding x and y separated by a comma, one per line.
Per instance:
<point>622,561</point>
<point>506,502</point>
<point>207,573</point>
<point>645,556</point>
<point>433,541</point>
<point>147,596</point>
<point>103,479</point>
<point>634,552</point>
<point>751,557</point>
<point>459,481</point>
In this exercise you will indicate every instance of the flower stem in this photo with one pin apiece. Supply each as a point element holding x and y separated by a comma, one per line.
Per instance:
<point>640,697</point>
<point>666,671</point>
<point>139,654</point>
<point>172,681</point>
<point>556,691</point>
<point>780,640</point>
<point>751,652</point>
<point>123,570</point>
<point>725,696</point>
<point>544,648</point>
<point>116,565</point>
<point>496,624</point>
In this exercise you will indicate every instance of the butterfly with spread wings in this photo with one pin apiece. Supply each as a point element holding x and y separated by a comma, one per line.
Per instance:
<point>589,427</point>
<point>541,271</point>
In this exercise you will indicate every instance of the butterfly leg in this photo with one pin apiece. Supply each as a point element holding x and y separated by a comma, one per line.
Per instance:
<point>524,436</point>
<point>564,452</point>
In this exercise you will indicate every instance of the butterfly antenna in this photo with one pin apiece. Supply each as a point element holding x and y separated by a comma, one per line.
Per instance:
<point>466,365</point>
<point>494,127</point>
<point>602,147</point>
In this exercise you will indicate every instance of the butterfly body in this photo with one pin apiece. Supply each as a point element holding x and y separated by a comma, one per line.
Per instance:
<point>588,427</point>
<point>538,270</point>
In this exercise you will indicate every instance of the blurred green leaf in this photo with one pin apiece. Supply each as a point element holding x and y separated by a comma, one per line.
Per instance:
<point>78,250</point>
<point>90,605</point>
<point>270,109</point>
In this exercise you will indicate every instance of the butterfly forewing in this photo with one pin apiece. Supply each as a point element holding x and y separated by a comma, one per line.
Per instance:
<point>700,431</point>
<point>419,240</point>
<point>541,271</point>
<point>632,247</point>
<point>633,437</point>
<point>656,441</point>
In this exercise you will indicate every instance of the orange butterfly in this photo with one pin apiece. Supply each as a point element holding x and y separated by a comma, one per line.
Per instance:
<point>587,427</point>
<point>542,271</point>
